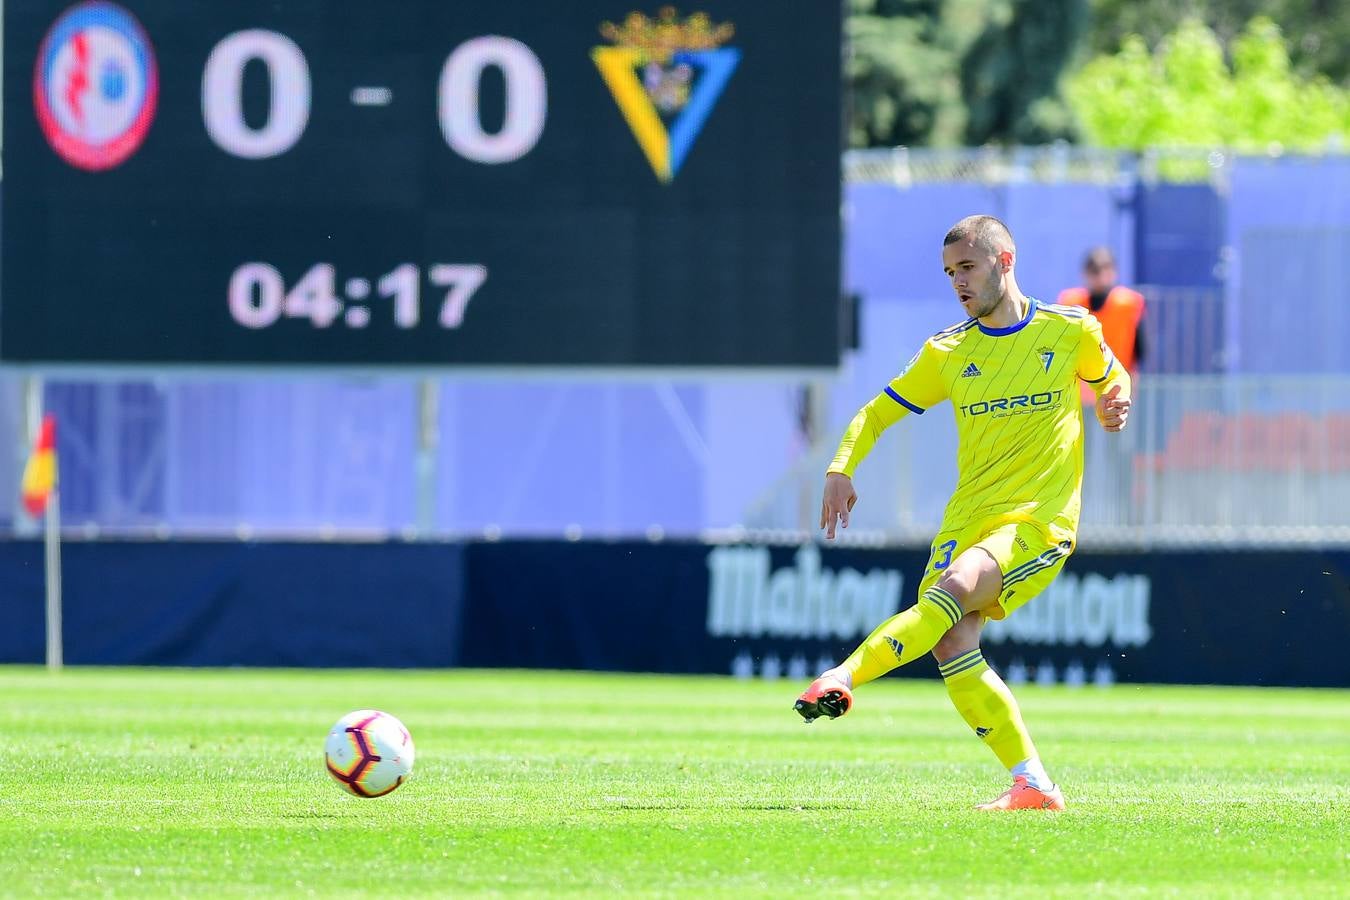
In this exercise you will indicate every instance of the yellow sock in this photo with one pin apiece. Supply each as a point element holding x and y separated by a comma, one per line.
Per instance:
<point>904,637</point>
<point>987,705</point>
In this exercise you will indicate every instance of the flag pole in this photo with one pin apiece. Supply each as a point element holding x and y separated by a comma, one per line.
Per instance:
<point>52,533</point>
<point>25,523</point>
<point>53,555</point>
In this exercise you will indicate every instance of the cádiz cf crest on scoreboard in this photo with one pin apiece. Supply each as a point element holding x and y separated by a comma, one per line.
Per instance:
<point>666,75</point>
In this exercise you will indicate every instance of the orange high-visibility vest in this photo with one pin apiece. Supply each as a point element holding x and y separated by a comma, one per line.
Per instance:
<point>1119,315</point>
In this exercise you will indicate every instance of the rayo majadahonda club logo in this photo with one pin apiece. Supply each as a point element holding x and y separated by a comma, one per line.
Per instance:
<point>95,85</point>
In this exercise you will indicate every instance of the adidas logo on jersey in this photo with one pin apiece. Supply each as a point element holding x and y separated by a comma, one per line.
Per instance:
<point>970,372</point>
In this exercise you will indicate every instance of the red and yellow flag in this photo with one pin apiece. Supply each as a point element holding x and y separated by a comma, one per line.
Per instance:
<point>39,475</point>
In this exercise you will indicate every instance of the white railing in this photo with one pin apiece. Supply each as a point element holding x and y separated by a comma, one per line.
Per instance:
<point>1050,164</point>
<point>1242,461</point>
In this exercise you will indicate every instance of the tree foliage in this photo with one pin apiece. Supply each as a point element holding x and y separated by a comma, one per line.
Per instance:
<point>954,72</point>
<point>1184,93</point>
<point>1011,74</point>
<point>972,72</point>
<point>1318,31</point>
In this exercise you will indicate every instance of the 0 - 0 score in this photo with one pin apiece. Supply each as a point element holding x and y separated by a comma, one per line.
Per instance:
<point>457,97</point>
<point>258,296</point>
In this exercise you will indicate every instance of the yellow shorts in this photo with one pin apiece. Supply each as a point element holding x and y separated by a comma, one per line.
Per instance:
<point>1027,555</point>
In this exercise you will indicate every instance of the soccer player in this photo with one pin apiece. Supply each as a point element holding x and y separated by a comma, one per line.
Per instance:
<point>1011,371</point>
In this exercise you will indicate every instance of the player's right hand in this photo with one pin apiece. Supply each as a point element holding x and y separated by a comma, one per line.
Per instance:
<point>838,502</point>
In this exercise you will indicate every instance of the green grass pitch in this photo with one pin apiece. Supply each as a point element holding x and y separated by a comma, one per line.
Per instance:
<point>211,783</point>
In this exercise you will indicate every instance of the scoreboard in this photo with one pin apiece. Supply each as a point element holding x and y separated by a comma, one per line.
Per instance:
<point>340,182</point>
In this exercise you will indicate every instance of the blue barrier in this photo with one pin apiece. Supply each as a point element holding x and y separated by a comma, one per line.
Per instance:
<point>1273,618</point>
<point>1251,618</point>
<point>1179,235</point>
<point>227,604</point>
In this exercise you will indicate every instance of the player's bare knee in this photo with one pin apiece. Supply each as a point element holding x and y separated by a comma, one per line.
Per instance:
<point>962,637</point>
<point>973,579</point>
<point>960,584</point>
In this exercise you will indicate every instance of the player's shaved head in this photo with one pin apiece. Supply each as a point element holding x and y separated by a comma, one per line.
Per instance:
<point>977,256</point>
<point>985,232</point>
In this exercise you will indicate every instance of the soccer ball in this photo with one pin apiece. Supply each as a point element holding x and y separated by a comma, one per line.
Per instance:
<point>369,753</point>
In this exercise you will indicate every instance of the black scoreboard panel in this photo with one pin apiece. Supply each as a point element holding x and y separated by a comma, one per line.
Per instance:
<point>422,182</point>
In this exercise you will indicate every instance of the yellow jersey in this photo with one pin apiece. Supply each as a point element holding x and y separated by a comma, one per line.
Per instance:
<point>1019,420</point>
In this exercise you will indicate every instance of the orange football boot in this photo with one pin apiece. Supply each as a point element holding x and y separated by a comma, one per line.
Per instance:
<point>1023,796</point>
<point>827,696</point>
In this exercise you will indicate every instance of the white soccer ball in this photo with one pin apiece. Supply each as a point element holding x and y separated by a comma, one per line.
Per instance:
<point>369,753</point>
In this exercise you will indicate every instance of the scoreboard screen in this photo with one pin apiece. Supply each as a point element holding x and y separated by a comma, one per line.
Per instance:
<point>333,182</point>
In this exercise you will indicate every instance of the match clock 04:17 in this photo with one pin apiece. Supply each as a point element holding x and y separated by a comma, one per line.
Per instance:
<point>258,295</point>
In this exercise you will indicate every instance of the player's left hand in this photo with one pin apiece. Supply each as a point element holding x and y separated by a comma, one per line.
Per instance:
<point>1113,410</point>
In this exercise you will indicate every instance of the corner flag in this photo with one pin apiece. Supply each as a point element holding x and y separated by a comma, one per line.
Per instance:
<point>39,475</point>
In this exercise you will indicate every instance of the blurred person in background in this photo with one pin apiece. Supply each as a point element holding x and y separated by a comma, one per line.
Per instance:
<point>1119,309</point>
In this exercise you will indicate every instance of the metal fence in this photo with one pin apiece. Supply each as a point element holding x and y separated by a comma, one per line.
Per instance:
<point>376,457</point>
<point>1206,459</point>
<point>1052,164</point>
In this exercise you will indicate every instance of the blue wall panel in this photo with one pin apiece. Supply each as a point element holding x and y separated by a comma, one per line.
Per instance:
<point>1180,235</point>
<point>226,604</point>
<point>1288,229</point>
<point>1055,225</point>
<point>893,236</point>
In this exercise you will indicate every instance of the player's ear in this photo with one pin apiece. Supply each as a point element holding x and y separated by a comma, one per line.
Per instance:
<point>1005,259</point>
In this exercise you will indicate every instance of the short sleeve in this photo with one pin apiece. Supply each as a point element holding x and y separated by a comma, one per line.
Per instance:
<point>1095,360</point>
<point>920,384</point>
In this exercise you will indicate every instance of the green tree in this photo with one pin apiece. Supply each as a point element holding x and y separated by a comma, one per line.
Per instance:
<point>1185,94</point>
<point>1318,31</point>
<point>953,72</point>
<point>901,71</point>
<point>1011,74</point>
